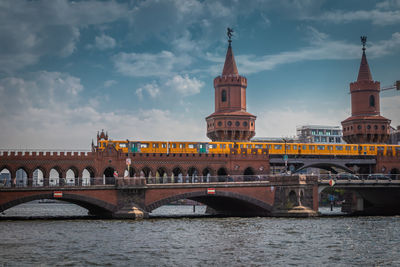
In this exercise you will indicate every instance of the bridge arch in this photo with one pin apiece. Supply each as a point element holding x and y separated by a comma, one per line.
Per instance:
<point>93,205</point>
<point>326,166</point>
<point>223,202</point>
<point>42,169</point>
<point>208,170</point>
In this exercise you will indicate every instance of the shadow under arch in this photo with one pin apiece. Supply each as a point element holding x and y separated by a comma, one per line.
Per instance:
<point>325,166</point>
<point>222,202</point>
<point>94,206</point>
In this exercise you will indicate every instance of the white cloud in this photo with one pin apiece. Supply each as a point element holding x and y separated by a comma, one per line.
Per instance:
<point>377,17</point>
<point>110,83</point>
<point>185,85</point>
<point>390,108</point>
<point>148,65</point>
<point>321,48</point>
<point>104,42</point>
<point>152,89</point>
<point>30,30</point>
<point>282,122</point>
<point>388,4</point>
<point>45,110</point>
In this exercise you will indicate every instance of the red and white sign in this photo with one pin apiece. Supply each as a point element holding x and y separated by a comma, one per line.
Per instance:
<point>57,194</point>
<point>331,182</point>
<point>211,191</point>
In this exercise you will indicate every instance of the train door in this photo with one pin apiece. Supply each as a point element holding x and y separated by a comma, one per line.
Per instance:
<point>203,147</point>
<point>134,147</point>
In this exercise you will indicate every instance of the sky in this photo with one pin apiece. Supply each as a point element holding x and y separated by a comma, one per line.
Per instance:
<point>144,70</point>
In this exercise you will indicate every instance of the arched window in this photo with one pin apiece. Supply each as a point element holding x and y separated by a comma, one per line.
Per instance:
<point>223,96</point>
<point>371,101</point>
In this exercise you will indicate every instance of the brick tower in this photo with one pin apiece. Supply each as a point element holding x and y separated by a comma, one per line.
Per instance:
<point>365,125</point>
<point>230,121</point>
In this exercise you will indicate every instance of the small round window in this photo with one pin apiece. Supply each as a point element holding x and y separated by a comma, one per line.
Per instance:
<point>245,123</point>
<point>376,127</point>
<point>237,123</point>
<point>369,127</point>
<point>359,127</point>
<point>229,123</point>
<point>219,123</point>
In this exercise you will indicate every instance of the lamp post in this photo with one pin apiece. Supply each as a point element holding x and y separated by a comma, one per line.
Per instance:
<point>285,157</point>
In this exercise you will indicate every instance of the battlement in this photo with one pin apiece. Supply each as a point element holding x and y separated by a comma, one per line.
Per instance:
<point>27,153</point>
<point>365,85</point>
<point>230,80</point>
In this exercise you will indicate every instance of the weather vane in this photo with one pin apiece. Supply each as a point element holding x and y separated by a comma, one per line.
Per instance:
<point>229,33</point>
<point>363,41</point>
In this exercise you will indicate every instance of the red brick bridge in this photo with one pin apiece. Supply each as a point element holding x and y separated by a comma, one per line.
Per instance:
<point>131,198</point>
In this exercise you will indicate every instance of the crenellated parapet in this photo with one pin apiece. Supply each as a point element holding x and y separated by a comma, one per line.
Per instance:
<point>227,80</point>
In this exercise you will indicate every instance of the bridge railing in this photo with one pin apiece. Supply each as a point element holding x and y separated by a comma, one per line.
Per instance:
<point>127,181</point>
<point>372,176</point>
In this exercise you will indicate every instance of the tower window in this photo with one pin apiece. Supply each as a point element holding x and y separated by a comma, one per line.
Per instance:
<point>223,96</point>
<point>371,101</point>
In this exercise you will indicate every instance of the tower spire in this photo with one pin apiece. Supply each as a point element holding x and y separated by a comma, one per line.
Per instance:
<point>364,74</point>
<point>230,68</point>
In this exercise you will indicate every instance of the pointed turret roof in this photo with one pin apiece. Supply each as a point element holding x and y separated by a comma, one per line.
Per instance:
<point>364,74</point>
<point>230,68</point>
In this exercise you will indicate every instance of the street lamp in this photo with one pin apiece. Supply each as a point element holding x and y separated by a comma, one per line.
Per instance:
<point>285,157</point>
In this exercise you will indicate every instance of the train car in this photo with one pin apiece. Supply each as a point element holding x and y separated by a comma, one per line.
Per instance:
<point>252,147</point>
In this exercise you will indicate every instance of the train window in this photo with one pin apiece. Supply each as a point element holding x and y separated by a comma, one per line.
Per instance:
<point>230,145</point>
<point>321,147</point>
<point>354,148</point>
<point>381,148</point>
<point>311,147</point>
<point>277,146</point>
<point>269,146</point>
<point>258,146</point>
<point>241,146</point>
<point>155,145</point>
<point>173,145</point>
<point>339,147</point>
<point>348,148</point>
<point>122,145</point>
<point>190,146</point>
<point>164,145</point>
<point>397,148</point>
<point>181,145</point>
<point>287,146</point>
<point>371,148</point>
<point>224,146</point>
<point>330,147</point>
<point>294,147</point>
<point>304,147</point>
<point>248,146</point>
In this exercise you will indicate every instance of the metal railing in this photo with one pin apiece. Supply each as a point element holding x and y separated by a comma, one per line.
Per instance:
<point>128,181</point>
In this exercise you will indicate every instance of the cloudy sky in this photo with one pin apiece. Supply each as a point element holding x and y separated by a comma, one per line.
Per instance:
<point>144,70</point>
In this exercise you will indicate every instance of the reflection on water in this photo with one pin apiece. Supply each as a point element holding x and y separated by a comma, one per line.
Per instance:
<point>195,241</point>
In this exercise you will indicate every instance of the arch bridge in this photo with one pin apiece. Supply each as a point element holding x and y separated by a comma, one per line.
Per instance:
<point>133,198</point>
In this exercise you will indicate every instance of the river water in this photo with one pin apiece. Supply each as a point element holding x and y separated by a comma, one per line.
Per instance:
<point>195,241</point>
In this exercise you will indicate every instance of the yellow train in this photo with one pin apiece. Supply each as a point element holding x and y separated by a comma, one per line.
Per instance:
<point>251,147</point>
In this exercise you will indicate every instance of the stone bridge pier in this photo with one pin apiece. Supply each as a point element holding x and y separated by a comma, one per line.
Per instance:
<point>282,196</point>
